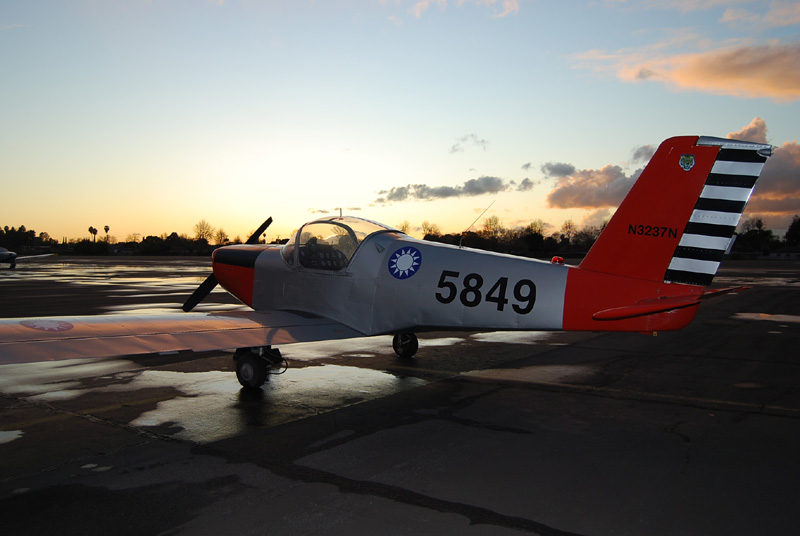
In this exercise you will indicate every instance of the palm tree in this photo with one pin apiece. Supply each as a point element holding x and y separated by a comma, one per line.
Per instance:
<point>106,229</point>
<point>93,232</point>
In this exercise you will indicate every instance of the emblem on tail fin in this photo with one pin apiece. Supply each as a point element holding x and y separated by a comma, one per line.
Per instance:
<point>687,161</point>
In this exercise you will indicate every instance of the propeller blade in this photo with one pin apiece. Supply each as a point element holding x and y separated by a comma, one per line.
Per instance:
<point>254,237</point>
<point>200,293</point>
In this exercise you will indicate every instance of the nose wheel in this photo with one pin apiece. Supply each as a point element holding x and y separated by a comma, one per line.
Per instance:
<point>405,345</point>
<point>253,365</point>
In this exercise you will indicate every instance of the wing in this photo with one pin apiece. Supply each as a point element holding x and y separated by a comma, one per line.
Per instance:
<point>49,338</point>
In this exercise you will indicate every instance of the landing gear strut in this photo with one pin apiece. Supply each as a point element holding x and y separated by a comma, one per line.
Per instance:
<point>253,365</point>
<point>405,345</point>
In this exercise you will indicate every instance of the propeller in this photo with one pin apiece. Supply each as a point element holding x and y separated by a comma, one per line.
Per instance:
<point>208,285</point>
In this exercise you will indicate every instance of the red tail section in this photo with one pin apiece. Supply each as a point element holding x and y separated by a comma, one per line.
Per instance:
<point>641,238</point>
<point>649,267</point>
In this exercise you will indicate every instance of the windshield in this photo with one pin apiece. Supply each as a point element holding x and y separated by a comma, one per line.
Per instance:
<point>329,243</point>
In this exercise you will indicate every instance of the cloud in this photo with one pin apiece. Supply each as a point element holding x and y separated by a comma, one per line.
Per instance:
<point>777,192</point>
<point>591,188</point>
<point>525,185</point>
<point>500,8</point>
<point>687,6</point>
<point>779,14</point>
<point>756,132</point>
<point>596,218</point>
<point>422,6</point>
<point>643,154</point>
<point>778,189</point>
<point>751,71</point>
<point>469,139</point>
<point>423,192</point>
<point>776,197</point>
<point>557,169</point>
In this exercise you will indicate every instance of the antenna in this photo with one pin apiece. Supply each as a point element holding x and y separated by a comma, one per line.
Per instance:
<point>473,223</point>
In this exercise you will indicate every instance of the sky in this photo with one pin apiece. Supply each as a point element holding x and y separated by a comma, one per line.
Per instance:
<point>151,115</point>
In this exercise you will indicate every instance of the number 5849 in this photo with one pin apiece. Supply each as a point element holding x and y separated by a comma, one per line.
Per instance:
<point>471,293</point>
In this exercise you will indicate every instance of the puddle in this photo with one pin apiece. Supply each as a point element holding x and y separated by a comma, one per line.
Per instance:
<point>766,280</point>
<point>309,351</point>
<point>215,407</point>
<point>512,337</point>
<point>55,379</point>
<point>788,319</point>
<point>538,373</point>
<point>212,405</point>
<point>9,436</point>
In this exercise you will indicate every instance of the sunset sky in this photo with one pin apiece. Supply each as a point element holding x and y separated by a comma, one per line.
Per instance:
<point>148,116</point>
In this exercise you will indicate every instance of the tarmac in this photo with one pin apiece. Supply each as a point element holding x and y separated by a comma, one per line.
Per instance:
<point>689,432</point>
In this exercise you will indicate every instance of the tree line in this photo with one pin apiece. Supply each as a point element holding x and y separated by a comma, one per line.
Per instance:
<point>536,239</point>
<point>23,240</point>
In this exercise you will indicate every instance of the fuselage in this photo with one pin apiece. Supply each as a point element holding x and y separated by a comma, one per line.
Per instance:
<point>388,282</point>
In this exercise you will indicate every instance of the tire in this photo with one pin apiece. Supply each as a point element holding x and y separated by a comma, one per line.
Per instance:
<point>251,370</point>
<point>405,345</point>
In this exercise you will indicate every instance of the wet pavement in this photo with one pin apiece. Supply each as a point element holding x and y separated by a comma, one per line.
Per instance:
<point>691,432</point>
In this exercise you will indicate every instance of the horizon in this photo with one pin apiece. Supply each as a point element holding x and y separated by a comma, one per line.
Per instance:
<point>148,117</point>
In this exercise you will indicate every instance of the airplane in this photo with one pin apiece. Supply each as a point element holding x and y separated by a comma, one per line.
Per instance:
<point>343,277</point>
<point>8,256</point>
<point>11,258</point>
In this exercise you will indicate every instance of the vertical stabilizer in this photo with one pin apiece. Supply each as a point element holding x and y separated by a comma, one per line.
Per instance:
<point>678,219</point>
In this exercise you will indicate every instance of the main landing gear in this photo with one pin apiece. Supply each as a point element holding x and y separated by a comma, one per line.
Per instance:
<point>253,365</point>
<point>405,345</point>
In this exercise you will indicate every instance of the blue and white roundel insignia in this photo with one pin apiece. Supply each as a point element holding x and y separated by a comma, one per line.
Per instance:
<point>405,262</point>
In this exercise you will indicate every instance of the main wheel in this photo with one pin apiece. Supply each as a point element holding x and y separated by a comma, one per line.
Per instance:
<point>251,370</point>
<point>405,345</point>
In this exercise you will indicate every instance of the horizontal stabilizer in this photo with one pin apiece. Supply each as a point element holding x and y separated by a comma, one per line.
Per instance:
<point>661,305</point>
<point>649,307</point>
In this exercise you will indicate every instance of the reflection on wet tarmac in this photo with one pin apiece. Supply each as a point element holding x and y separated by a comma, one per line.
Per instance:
<point>789,319</point>
<point>210,405</point>
<point>215,407</point>
<point>7,436</point>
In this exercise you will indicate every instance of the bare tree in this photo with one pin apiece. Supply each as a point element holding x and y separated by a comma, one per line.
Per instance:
<point>220,237</point>
<point>430,229</point>
<point>492,226</point>
<point>537,227</point>
<point>568,230</point>
<point>404,227</point>
<point>752,223</point>
<point>203,230</point>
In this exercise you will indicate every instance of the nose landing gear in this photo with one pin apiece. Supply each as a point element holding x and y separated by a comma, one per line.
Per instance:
<point>253,365</point>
